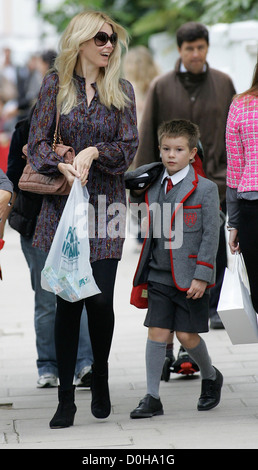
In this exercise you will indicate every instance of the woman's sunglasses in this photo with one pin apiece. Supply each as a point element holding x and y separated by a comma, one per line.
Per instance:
<point>101,38</point>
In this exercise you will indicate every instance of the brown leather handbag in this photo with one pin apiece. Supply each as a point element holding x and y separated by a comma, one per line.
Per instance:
<point>35,182</point>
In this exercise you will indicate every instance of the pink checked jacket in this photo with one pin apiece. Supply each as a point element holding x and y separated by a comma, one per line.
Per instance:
<point>242,144</point>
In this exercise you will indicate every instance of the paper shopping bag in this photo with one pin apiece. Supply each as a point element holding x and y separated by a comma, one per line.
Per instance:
<point>67,271</point>
<point>235,306</point>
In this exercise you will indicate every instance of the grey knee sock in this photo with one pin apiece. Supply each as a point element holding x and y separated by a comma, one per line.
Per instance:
<point>154,357</point>
<point>200,355</point>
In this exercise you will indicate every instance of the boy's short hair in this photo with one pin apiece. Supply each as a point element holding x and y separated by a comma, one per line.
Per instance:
<point>192,31</point>
<point>180,128</point>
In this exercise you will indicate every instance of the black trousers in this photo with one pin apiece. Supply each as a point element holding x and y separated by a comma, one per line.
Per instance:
<point>248,242</point>
<point>100,319</point>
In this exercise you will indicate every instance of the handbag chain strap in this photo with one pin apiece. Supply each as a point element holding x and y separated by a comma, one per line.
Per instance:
<point>57,135</point>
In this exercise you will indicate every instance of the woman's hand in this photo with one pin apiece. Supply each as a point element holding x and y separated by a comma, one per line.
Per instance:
<point>83,162</point>
<point>68,171</point>
<point>233,241</point>
<point>139,192</point>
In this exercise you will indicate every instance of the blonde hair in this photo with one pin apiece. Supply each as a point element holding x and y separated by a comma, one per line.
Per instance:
<point>81,28</point>
<point>140,68</point>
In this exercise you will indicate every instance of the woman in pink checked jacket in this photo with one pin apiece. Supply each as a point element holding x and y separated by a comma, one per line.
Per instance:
<point>242,180</point>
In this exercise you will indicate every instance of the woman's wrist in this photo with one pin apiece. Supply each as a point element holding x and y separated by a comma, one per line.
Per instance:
<point>96,153</point>
<point>60,166</point>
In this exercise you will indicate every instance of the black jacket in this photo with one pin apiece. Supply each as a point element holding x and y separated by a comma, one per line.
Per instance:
<point>27,205</point>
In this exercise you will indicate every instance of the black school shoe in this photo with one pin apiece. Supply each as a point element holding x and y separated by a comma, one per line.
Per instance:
<point>148,407</point>
<point>210,393</point>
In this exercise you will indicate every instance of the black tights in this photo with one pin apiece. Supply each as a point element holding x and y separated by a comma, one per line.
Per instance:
<point>248,236</point>
<point>101,324</point>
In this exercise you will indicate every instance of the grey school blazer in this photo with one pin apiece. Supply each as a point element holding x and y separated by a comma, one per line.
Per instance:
<point>194,256</point>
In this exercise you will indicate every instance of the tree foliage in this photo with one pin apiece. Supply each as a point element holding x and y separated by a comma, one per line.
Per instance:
<point>143,18</point>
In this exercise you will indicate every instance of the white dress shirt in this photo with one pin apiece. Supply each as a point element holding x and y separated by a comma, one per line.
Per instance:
<point>176,178</point>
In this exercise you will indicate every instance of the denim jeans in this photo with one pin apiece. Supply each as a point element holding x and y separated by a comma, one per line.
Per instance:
<point>44,317</point>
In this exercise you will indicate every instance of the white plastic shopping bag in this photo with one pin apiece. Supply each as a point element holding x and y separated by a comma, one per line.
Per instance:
<point>67,271</point>
<point>235,306</point>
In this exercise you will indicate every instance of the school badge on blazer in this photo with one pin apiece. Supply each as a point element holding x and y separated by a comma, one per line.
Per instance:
<point>190,218</point>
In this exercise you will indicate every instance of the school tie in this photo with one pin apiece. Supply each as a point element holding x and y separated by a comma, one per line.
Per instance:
<point>169,184</point>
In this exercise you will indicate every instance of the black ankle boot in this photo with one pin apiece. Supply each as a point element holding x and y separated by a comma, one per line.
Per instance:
<point>100,404</point>
<point>64,416</point>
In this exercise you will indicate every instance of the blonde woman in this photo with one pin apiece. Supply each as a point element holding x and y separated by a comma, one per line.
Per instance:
<point>140,69</point>
<point>98,119</point>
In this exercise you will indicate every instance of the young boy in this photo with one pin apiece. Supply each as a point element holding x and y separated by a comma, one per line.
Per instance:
<point>178,266</point>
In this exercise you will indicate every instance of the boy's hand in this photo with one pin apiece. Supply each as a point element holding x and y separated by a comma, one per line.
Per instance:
<point>5,197</point>
<point>196,289</point>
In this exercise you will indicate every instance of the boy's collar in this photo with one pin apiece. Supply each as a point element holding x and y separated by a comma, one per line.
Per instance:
<point>177,177</point>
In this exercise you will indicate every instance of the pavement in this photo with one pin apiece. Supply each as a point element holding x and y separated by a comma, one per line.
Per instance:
<point>25,410</point>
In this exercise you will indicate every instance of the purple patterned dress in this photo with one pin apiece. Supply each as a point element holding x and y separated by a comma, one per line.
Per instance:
<point>115,135</point>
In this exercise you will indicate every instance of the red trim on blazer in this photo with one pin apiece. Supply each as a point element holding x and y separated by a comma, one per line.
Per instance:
<point>147,231</point>
<point>202,262</point>
<point>194,182</point>
<point>205,264</point>
<point>139,294</point>
<point>198,206</point>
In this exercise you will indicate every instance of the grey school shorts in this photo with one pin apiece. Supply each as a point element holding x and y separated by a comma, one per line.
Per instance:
<point>169,308</point>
